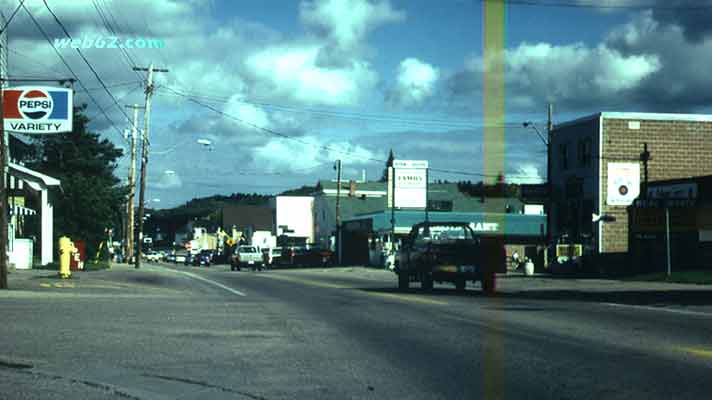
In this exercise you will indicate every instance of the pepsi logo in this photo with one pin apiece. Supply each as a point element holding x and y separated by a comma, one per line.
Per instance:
<point>35,104</point>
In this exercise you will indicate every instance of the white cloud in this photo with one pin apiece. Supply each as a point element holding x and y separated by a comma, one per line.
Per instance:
<point>308,152</point>
<point>575,74</point>
<point>167,181</point>
<point>293,72</point>
<point>525,173</point>
<point>346,22</point>
<point>415,82</point>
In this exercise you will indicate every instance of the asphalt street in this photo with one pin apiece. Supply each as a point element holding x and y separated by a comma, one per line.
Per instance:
<point>175,332</point>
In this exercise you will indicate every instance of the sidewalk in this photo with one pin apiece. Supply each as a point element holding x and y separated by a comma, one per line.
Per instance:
<point>120,278</point>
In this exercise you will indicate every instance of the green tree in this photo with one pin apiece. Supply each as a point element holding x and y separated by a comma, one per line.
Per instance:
<point>389,163</point>
<point>91,198</point>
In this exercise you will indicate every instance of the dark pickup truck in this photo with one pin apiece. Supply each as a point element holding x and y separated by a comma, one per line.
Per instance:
<point>449,252</point>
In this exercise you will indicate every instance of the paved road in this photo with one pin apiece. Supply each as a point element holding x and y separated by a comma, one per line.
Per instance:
<point>189,333</point>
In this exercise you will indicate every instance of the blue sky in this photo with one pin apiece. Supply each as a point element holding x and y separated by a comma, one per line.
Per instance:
<point>351,79</point>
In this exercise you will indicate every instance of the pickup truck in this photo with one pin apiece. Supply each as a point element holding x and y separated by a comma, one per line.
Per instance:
<point>449,252</point>
<point>246,256</point>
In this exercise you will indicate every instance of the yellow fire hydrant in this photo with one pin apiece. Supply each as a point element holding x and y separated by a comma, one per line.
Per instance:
<point>66,250</point>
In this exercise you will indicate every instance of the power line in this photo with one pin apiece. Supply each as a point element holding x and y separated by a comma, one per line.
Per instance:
<point>66,32</point>
<point>273,132</point>
<point>130,62</point>
<point>346,115</point>
<point>96,103</point>
<point>603,5</point>
<point>323,147</point>
<point>22,2</point>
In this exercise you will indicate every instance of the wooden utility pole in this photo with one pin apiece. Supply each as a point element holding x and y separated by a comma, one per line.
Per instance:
<point>144,157</point>
<point>338,211</point>
<point>4,159</point>
<point>130,224</point>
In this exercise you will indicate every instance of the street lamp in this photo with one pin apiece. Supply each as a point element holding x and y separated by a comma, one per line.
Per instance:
<point>547,143</point>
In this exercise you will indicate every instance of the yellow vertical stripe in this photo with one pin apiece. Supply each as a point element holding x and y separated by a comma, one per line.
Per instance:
<point>494,164</point>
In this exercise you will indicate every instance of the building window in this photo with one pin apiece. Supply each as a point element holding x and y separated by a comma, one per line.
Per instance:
<point>584,152</point>
<point>564,156</point>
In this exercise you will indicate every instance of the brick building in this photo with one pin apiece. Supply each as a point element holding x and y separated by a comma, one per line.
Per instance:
<point>583,150</point>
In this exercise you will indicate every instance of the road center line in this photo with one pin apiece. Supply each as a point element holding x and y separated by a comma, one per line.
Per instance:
<point>669,310</point>
<point>393,296</point>
<point>211,282</point>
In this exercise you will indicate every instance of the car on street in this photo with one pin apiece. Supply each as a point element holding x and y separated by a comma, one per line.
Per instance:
<point>449,252</point>
<point>202,259</point>
<point>246,256</point>
<point>180,258</point>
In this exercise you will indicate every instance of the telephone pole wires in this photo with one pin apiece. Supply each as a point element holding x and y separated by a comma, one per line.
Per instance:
<point>144,157</point>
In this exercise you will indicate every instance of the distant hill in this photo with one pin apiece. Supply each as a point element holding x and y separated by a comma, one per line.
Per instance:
<point>302,191</point>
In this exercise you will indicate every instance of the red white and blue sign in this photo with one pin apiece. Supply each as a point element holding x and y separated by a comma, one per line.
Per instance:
<point>37,109</point>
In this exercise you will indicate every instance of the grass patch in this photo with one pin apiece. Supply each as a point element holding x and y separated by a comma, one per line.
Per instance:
<point>699,277</point>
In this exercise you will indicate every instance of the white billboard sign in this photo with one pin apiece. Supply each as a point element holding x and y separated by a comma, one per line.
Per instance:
<point>37,109</point>
<point>623,183</point>
<point>411,184</point>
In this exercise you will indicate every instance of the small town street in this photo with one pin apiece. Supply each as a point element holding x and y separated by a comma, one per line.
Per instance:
<point>175,332</point>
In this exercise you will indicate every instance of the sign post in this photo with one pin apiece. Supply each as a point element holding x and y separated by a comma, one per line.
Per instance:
<point>667,237</point>
<point>30,110</point>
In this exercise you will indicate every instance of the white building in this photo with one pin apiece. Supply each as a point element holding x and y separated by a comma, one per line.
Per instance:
<point>294,216</point>
<point>20,249</point>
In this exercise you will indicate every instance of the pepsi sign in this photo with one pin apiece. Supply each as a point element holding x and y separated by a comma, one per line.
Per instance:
<point>37,109</point>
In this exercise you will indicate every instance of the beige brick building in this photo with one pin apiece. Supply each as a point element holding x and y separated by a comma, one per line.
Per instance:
<point>582,150</point>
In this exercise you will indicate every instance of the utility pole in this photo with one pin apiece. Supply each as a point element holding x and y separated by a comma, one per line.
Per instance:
<point>130,224</point>
<point>338,211</point>
<point>4,159</point>
<point>549,185</point>
<point>144,156</point>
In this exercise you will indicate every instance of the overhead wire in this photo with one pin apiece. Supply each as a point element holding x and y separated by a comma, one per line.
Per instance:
<point>86,61</point>
<point>129,60</point>
<point>324,147</point>
<point>346,115</point>
<point>71,71</point>
<point>604,5</point>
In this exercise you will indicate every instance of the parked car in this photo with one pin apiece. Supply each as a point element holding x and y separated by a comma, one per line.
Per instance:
<point>180,258</point>
<point>152,256</point>
<point>246,256</point>
<point>298,256</point>
<point>449,252</point>
<point>202,258</point>
<point>170,258</point>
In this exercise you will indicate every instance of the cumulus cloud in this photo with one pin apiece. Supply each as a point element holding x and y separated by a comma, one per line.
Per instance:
<point>308,152</point>
<point>574,74</point>
<point>525,173</point>
<point>415,83</point>
<point>682,83</point>
<point>293,72</point>
<point>167,180</point>
<point>346,22</point>
<point>692,17</point>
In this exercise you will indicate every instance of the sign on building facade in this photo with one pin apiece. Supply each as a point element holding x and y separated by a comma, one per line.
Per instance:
<point>623,183</point>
